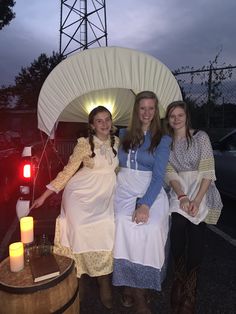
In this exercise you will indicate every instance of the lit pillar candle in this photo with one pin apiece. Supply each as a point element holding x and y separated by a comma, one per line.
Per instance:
<point>16,253</point>
<point>27,229</point>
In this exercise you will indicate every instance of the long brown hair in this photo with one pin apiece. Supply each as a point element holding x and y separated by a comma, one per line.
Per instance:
<point>91,132</point>
<point>134,136</point>
<point>183,105</point>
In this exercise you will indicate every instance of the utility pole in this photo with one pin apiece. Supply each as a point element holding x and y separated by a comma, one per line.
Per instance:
<point>82,25</point>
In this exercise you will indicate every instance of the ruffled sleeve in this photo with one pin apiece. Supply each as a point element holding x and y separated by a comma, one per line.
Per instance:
<point>81,150</point>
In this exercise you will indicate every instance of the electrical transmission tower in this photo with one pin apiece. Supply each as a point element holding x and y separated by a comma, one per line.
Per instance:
<point>82,25</point>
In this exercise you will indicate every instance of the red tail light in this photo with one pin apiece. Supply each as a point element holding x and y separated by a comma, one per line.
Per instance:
<point>27,171</point>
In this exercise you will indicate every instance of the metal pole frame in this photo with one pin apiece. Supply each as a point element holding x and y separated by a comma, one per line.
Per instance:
<point>82,25</point>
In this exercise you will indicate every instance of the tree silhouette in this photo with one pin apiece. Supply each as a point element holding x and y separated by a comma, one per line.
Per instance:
<point>6,13</point>
<point>30,80</point>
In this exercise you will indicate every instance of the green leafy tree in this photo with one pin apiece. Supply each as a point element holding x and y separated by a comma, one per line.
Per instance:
<point>30,80</point>
<point>6,13</point>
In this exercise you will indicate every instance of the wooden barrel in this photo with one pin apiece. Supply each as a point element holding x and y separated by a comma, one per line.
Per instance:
<point>20,295</point>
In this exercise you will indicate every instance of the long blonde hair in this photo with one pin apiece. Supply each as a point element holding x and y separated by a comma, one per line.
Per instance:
<point>134,136</point>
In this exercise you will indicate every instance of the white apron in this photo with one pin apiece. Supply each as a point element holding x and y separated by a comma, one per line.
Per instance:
<point>140,243</point>
<point>190,182</point>
<point>87,215</point>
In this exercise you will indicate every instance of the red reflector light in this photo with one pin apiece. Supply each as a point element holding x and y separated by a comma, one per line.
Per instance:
<point>27,171</point>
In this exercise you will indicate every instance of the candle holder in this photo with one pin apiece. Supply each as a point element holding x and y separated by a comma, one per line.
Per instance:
<point>27,236</point>
<point>28,251</point>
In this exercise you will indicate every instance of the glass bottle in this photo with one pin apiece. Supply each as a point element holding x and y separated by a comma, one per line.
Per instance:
<point>45,246</point>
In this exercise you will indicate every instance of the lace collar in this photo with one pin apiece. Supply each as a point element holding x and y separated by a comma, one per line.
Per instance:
<point>105,148</point>
<point>100,142</point>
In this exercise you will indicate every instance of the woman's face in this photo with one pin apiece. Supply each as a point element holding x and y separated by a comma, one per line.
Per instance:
<point>146,112</point>
<point>102,124</point>
<point>177,118</point>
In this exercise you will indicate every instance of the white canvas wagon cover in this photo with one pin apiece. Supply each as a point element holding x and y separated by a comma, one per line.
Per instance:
<point>109,76</point>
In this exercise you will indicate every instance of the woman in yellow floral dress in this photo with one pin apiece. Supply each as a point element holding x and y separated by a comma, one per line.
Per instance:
<point>85,226</point>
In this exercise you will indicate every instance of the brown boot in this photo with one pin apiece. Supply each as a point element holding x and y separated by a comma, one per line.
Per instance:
<point>105,291</point>
<point>81,283</point>
<point>188,302</point>
<point>178,285</point>
<point>127,298</point>
<point>140,300</point>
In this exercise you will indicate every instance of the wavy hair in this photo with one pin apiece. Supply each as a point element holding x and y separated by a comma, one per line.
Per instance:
<point>134,136</point>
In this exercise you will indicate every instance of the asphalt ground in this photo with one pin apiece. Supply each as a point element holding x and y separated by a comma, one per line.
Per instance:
<point>216,292</point>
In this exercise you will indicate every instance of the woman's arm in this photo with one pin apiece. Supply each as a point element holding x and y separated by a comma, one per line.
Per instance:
<point>195,203</point>
<point>40,200</point>
<point>176,186</point>
<point>56,185</point>
<point>158,172</point>
<point>184,201</point>
<point>141,214</point>
<point>206,170</point>
<point>81,150</point>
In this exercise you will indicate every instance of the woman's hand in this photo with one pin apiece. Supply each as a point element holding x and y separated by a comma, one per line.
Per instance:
<point>193,208</point>
<point>184,204</point>
<point>195,203</point>
<point>40,200</point>
<point>141,214</point>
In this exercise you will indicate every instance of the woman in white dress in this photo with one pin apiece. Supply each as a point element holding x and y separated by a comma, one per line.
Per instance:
<point>194,201</point>
<point>141,205</point>
<point>85,226</point>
